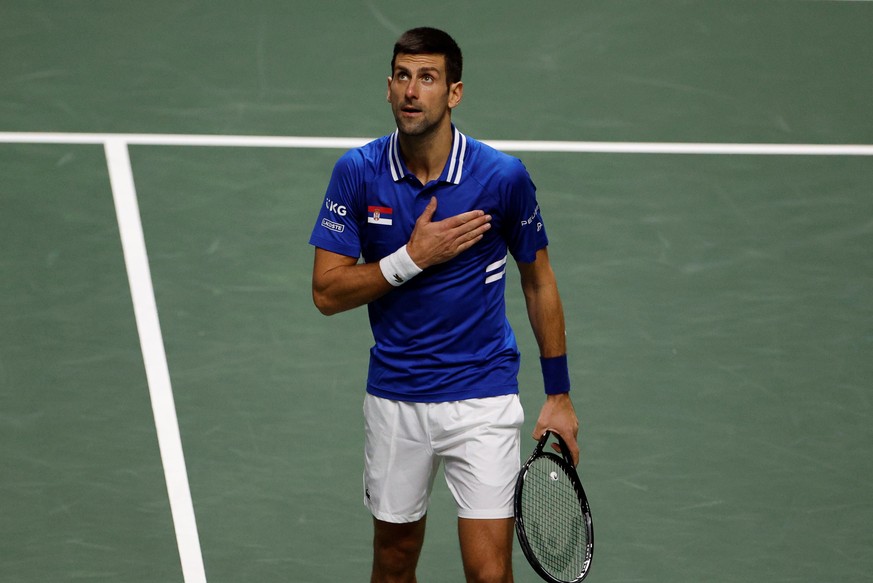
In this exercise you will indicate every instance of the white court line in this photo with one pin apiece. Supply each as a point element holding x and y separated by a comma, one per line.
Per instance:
<point>155,359</point>
<point>505,145</point>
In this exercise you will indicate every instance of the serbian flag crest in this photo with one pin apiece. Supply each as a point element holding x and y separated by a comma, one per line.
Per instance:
<point>379,215</point>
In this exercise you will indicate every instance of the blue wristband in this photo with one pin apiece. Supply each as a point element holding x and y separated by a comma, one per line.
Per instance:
<point>556,375</point>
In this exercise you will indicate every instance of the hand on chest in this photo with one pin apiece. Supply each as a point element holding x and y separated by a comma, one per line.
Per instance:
<point>400,210</point>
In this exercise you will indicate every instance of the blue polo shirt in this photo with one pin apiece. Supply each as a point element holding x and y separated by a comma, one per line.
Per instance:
<point>443,335</point>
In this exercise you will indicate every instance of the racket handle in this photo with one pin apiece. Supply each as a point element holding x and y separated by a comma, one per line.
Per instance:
<point>565,452</point>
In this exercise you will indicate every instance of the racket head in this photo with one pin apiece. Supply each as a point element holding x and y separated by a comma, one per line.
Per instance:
<point>552,517</point>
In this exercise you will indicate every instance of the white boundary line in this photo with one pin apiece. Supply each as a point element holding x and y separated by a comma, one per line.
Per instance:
<point>155,359</point>
<point>505,145</point>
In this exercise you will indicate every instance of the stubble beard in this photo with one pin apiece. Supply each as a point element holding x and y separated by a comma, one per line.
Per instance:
<point>426,124</point>
<point>416,128</point>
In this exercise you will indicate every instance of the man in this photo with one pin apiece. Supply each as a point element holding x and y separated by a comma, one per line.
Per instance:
<point>433,213</point>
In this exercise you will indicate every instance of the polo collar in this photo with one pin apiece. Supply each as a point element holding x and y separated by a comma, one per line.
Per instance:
<point>454,166</point>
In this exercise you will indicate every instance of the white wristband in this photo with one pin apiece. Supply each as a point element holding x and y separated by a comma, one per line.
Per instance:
<point>398,268</point>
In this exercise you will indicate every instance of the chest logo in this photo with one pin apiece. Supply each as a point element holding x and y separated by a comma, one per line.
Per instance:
<point>379,215</point>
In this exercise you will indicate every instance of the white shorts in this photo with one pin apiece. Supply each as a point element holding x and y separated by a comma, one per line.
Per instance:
<point>478,439</point>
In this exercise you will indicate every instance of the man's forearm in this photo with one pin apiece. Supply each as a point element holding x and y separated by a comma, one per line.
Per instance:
<point>345,287</point>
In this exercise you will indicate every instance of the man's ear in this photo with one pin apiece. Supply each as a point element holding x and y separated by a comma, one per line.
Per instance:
<point>456,93</point>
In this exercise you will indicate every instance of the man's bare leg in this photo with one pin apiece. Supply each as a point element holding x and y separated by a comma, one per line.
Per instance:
<point>486,549</point>
<point>396,548</point>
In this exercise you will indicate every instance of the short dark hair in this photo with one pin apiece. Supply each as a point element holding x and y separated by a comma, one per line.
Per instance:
<point>431,41</point>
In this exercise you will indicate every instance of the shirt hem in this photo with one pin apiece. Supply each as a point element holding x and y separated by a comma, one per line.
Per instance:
<point>443,396</point>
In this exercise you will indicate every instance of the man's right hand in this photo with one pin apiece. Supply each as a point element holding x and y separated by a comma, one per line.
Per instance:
<point>434,242</point>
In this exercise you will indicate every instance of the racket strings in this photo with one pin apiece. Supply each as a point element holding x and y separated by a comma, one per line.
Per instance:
<point>554,522</point>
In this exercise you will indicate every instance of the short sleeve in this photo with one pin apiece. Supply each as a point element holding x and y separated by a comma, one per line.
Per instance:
<point>337,227</point>
<point>525,230</point>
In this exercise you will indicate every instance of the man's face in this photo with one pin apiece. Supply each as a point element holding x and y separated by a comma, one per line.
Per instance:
<point>420,99</point>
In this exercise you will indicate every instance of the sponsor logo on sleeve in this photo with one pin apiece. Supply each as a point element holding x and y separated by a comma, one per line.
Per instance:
<point>533,219</point>
<point>332,226</point>
<point>335,207</point>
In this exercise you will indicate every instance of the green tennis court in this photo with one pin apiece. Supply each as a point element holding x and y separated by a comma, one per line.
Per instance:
<point>719,299</point>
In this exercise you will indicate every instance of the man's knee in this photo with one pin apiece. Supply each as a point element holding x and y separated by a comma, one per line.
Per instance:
<point>396,548</point>
<point>494,571</point>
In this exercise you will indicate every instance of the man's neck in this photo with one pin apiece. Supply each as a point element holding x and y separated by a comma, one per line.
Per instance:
<point>426,155</point>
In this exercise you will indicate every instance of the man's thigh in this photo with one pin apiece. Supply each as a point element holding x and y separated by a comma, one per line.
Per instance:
<point>480,447</point>
<point>399,463</point>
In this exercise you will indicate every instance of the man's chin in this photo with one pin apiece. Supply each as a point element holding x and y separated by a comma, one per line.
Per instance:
<point>416,129</point>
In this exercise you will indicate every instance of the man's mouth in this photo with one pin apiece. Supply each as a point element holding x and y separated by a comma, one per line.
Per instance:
<point>410,109</point>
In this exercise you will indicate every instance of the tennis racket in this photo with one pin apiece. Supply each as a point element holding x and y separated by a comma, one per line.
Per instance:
<point>552,518</point>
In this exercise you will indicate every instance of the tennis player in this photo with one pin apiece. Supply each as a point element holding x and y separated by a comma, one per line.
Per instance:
<point>434,215</point>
